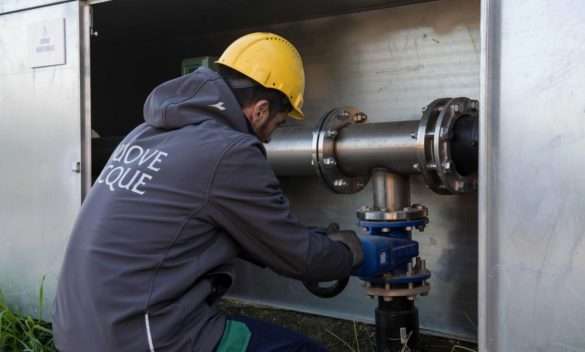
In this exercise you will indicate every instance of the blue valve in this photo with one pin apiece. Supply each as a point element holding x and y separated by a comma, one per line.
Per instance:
<point>388,249</point>
<point>384,255</point>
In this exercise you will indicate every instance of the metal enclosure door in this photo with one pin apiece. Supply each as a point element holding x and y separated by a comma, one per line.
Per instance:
<point>389,63</point>
<point>42,112</point>
<point>532,198</point>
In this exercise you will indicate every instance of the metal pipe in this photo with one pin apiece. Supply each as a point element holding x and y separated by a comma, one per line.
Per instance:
<point>358,148</point>
<point>343,150</point>
<point>290,151</point>
<point>389,145</point>
<point>391,191</point>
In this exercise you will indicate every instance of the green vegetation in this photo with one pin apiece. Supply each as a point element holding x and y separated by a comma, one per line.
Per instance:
<point>24,333</point>
<point>20,333</point>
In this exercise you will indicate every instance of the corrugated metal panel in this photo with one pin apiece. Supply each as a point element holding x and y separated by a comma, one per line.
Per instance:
<point>533,182</point>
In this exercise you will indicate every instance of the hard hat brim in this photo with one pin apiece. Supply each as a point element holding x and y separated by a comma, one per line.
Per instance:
<point>297,114</point>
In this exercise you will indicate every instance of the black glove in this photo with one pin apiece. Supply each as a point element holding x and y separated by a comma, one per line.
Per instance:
<point>351,241</point>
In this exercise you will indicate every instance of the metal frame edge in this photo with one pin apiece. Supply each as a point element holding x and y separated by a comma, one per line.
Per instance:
<point>485,285</point>
<point>85,94</point>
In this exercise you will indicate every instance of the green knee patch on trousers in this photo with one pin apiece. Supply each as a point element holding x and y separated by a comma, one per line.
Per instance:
<point>236,337</point>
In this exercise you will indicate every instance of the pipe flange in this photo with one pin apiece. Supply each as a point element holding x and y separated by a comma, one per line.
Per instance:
<point>388,292</point>
<point>410,284</point>
<point>434,136</point>
<point>324,158</point>
<point>416,211</point>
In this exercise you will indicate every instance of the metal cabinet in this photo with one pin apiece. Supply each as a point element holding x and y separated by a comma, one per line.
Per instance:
<point>389,62</point>
<point>43,107</point>
<point>532,194</point>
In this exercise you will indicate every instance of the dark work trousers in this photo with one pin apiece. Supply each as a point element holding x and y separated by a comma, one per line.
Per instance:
<point>267,337</point>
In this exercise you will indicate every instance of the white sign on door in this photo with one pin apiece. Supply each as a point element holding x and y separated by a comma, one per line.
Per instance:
<point>46,42</point>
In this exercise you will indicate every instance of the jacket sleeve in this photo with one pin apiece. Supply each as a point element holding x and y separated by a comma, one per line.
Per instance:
<point>245,199</point>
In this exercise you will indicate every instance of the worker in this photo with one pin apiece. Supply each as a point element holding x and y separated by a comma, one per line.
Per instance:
<point>183,195</point>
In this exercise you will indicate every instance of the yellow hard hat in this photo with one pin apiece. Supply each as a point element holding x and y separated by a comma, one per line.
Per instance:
<point>273,62</point>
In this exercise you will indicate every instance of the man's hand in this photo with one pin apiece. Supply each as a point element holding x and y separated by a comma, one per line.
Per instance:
<point>351,241</point>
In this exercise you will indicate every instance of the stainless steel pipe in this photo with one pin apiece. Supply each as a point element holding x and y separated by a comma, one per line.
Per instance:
<point>391,191</point>
<point>359,148</point>
<point>290,151</point>
<point>343,150</point>
<point>388,145</point>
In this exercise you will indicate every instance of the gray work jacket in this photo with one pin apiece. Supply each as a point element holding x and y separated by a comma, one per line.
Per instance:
<point>182,196</point>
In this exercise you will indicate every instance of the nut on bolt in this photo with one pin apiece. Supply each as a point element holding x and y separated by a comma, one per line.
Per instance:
<point>360,117</point>
<point>419,206</point>
<point>329,161</point>
<point>343,115</point>
<point>444,134</point>
<point>331,133</point>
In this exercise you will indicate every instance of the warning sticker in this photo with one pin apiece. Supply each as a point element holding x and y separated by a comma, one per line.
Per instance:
<point>46,42</point>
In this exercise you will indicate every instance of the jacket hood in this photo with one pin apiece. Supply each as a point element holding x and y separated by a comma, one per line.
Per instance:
<point>193,98</point>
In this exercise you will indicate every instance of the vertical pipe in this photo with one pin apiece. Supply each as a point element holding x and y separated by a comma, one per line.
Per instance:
<point>391,191</point>
<point>397,325</point>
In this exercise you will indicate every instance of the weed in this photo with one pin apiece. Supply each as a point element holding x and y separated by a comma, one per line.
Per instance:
<point>23,332</point>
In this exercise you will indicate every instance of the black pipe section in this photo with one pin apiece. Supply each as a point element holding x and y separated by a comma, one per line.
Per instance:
<point>465,145</point>
<point>396,324</point>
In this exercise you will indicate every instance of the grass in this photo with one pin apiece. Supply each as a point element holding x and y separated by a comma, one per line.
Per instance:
<point>335,334</point>
<point>23,332</point>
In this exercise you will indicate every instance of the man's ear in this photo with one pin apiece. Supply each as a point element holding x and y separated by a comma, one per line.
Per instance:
<point>261,109</point>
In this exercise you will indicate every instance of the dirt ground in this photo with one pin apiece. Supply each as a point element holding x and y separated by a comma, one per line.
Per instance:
<point>336,334</point>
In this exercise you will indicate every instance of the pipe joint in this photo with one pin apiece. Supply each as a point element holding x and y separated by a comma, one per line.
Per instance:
<point>344,150</point>
<point>324,157</point>
<point>447,145</point>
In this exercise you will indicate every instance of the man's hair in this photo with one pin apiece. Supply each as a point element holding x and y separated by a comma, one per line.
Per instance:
<point>248,92</point>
